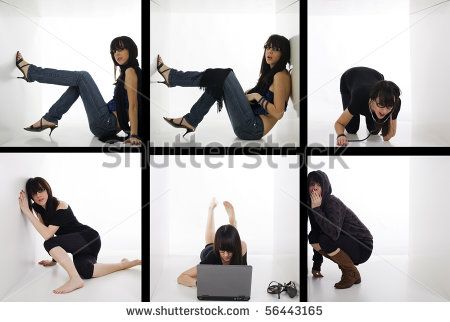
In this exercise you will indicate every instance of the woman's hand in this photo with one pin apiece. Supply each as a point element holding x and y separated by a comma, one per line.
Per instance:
<point>47,263</point>
<point>342,141</point>
<point>253,97</point>
<point>23,203</point>
<point>316,273</point>
<point>316,200</point>
<point>133,141</point>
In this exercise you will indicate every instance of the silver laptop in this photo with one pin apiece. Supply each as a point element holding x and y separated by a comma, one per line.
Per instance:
<point>224,282</point>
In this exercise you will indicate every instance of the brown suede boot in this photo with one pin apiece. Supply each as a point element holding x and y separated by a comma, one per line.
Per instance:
<point>350,274</point>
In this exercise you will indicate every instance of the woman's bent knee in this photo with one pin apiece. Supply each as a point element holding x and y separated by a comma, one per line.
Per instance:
<point>50,243</point>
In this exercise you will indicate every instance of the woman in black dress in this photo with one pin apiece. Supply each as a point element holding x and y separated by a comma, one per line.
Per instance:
<point>63,233</point>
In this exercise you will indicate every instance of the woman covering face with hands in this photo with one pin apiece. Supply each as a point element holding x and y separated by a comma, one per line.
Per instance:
<point>336,232</point>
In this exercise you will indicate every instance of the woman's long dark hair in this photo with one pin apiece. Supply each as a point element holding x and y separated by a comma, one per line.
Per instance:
<point>120,43</point>
<point>38,184</point>
<point>266,73</point>
<point>388,94</point>
<point>227,239</point>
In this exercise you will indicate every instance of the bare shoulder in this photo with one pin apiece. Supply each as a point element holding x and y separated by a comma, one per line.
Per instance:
<point>62,205</point>
<point>130,73</point>
<point>282,76</point>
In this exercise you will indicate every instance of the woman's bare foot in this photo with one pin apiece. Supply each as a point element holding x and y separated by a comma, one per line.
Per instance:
<point>44,123</point>
<point>163,69</point>
<point>71,285</point>
<point>23,65</point>
<point>128,264</point>
<point>230,211</point>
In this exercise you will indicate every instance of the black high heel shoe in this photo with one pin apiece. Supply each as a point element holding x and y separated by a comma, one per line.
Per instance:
<point>179,125</point>
<point>18,61</point>
<point>41,128</point>
<point>158,67</point>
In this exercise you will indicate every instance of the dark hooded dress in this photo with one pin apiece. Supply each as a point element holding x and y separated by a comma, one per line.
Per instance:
<point>334,219</point>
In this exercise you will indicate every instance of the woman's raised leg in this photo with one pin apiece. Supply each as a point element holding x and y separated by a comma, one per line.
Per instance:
<point>231,214</point>
<point>210,231</point>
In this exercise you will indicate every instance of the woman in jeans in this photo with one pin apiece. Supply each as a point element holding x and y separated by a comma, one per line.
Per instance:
<point>54,220</point>
<point>223,247</point>
<point>105,119</point>
<point>253,113</point>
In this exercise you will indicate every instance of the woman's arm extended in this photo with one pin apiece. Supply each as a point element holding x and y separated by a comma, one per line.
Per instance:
<point>281,91</point>
<point>131,86</point>
<point>189,277</point>
<point>392,130</point>
<point>44,231</point>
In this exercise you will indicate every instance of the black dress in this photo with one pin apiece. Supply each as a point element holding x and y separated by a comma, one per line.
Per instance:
<point>80,240</point>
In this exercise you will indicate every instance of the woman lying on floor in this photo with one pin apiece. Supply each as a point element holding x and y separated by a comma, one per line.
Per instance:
<point>224,247</point>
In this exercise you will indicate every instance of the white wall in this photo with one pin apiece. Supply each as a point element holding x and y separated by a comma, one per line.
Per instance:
<point>17,237</point>
<point>288,25</point>
<point>429,244</point>
<point>159,219</point>
<point>66,35</point>
<point>377,190</point>
<point>159,95</point>
<point>17,33</point>
<point>430,66</point>
<point>215,34</point>
<point>107,199</point>
<point>349,33</point>
<point>286,212</point>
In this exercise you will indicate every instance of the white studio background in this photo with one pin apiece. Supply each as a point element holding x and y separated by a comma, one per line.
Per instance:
<point>377,189</point>
<point>207,35</point>
<point>214,34</point>
<point>185,193</point>
<point>350,33</point>
<point>106,198</point>
<point>72,36</point>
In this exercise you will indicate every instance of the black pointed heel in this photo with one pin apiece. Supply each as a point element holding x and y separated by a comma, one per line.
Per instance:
<point>158,68</point>
<point>41,128</point>
<point>188,131</point>
<point>18,61</point>
<point>179,125</point>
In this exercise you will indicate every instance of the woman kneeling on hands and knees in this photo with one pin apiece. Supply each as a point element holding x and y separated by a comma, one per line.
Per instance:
<point>365,92</point>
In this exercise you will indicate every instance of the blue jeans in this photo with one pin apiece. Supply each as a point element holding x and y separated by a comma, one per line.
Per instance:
<point>101,122</point>
<point>246,125</point>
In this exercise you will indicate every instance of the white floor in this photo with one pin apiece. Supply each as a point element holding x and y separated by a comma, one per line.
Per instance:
<point>37,286</point>
<point>322,134</point>
<point>219,133</point>
<point>63,136</point>
<point>265,270</point>
<point>384,279</point>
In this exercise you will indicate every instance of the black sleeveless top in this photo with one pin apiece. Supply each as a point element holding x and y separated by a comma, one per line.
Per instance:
<point>64,218</point>
<point>259,110</point>
<point>121,101</point>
